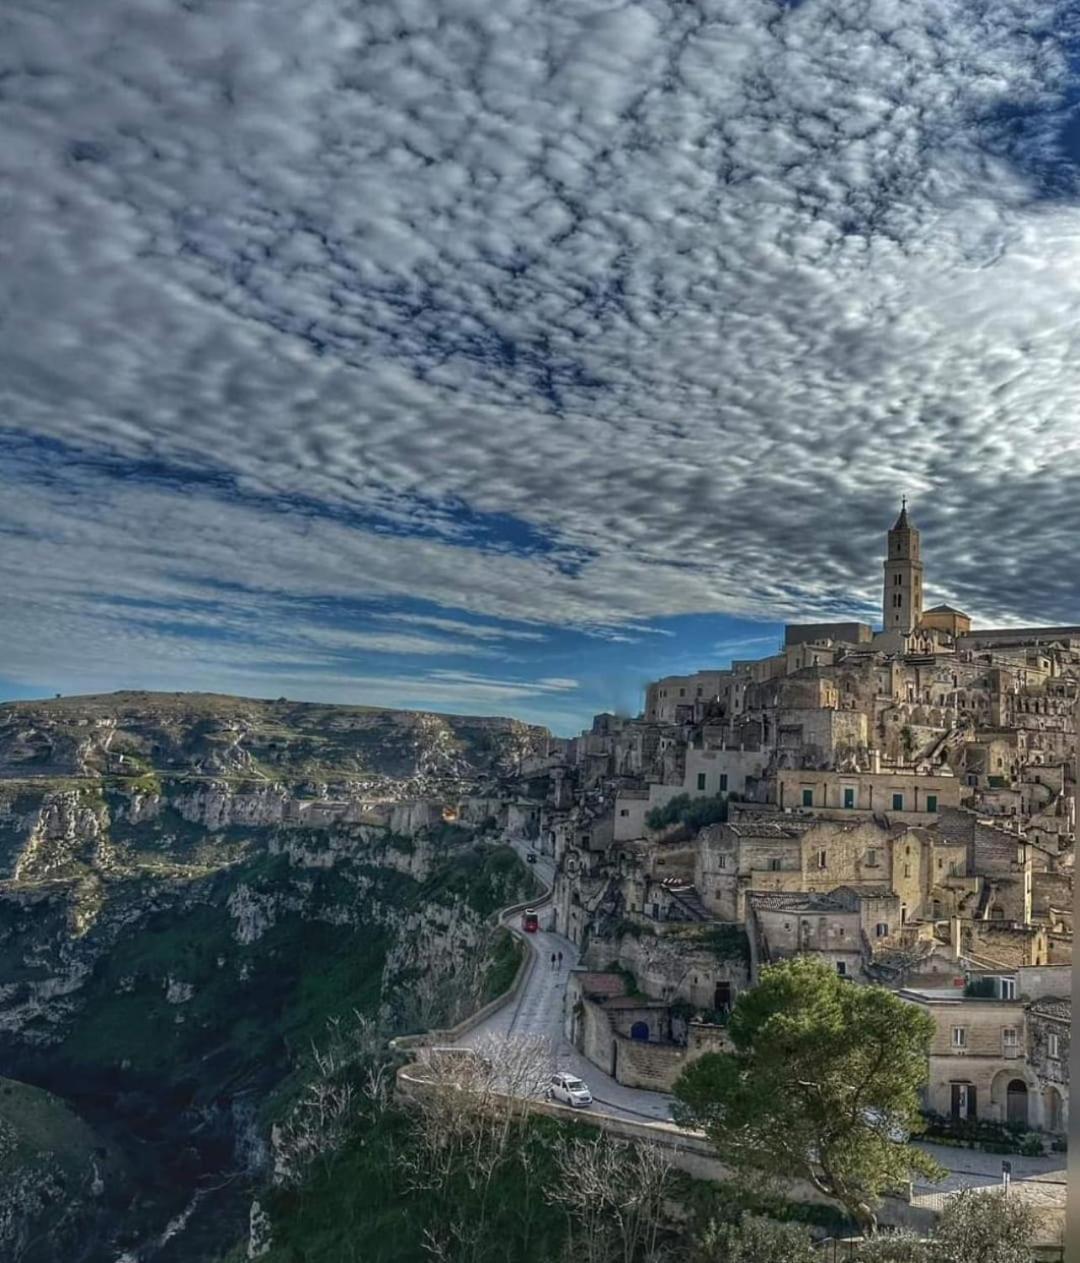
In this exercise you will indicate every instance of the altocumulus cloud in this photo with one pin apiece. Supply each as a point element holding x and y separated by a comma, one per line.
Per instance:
<point>343,340</point>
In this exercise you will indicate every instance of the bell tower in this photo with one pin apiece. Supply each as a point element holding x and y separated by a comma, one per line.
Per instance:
<point>902,605</point>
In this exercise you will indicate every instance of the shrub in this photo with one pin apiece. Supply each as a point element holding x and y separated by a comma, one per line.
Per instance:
<point>895,1247</point>
<point>983,1226</point>
<point>754,1239</point>
<point>695,813</point>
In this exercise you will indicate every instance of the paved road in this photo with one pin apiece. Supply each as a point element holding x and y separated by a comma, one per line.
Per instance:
<point>539,1011</point>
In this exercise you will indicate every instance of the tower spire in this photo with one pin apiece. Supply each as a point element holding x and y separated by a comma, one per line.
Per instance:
<point>902,523</point>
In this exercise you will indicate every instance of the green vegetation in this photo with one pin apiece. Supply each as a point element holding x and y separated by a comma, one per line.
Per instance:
<point>726,942</point>
<point>506,955</point>
<point>487,878</point>
<point>693,813</point>
<point>824,1076</point>
<point>366,1204</point>
<point>35,1124</point>
<point>984,1134</point>
<point>49,1161</point>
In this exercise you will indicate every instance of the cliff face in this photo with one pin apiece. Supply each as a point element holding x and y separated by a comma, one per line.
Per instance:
<point>171,945</point>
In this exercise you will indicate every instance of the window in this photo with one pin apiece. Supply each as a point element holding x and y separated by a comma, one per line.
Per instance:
<point>931,802</point>
<point>822,859</point>
<point>721,861</point>
<point>808,798</point>
<point>624,811</point>
<point>871,858</point>
<point>841,968</point>
<point>898,802</point>
<point>1053,1046</point>
<point>881,929</point>
<point>723,782</point>
<point>701,780</point>
<point>1009,1041</point>
<point>774,866</point>
<point>1008,988</point>
<point>907,870</point>
<point>959,1036</point>
<point>849,796</point>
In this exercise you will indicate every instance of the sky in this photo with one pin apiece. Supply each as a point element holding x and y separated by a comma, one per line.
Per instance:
<point>499,357</point>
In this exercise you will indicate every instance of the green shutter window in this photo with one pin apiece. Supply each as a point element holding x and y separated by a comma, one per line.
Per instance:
<point>849,797</point>
<point>898,802</point>
<point>808,798</point>
<point>723,782</point>
<point>701,780</point>
<point>931,802</point>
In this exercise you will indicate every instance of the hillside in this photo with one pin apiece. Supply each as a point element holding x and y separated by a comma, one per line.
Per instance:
<point>178,930</point>
<point>59,1182</point>
<point>216,735</point>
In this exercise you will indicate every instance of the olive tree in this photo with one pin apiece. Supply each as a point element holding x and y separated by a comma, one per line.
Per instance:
<point>985,1226</point>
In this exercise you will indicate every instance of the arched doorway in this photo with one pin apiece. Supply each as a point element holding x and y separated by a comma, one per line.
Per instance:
<point>640,1030</point>
<point>1016,1102</point>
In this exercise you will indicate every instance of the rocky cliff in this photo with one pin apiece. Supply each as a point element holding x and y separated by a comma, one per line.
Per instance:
<point>172,943</point>
<point>210,734</point>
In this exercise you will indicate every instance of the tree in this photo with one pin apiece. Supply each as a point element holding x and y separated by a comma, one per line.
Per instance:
<point>823,1085</point>
<point>895,1247</point>
<point>754,1239</point>
<point>985,1226</point>
<point>613,1194</point>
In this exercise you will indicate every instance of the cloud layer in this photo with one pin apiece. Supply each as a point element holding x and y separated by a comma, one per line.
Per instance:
<point>420,335</point>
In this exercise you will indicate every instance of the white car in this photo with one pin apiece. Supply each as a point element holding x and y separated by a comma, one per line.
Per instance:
<point>569,1089</point>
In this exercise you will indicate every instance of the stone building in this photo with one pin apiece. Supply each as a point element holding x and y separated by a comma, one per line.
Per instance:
<point>640,1042</point>
<point>843,927</point>
<point>900,794</point>
<point>977,1058</point>
<point>1049,1024</point>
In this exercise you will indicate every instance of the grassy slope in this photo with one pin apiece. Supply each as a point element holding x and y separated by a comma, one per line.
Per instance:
<point>35,1124</point>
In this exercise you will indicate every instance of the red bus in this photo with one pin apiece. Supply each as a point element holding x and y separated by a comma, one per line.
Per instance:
<point>530,922</point>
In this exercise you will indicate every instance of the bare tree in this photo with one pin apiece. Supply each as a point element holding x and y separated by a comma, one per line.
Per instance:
<point>315,1128</point>
<point>319,1122</point>
<point>613,1193</point>
<point>469,1117</point>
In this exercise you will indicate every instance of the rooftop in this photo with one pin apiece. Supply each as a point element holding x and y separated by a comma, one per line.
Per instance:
<point>946,609</point>
<point>601,985</point>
